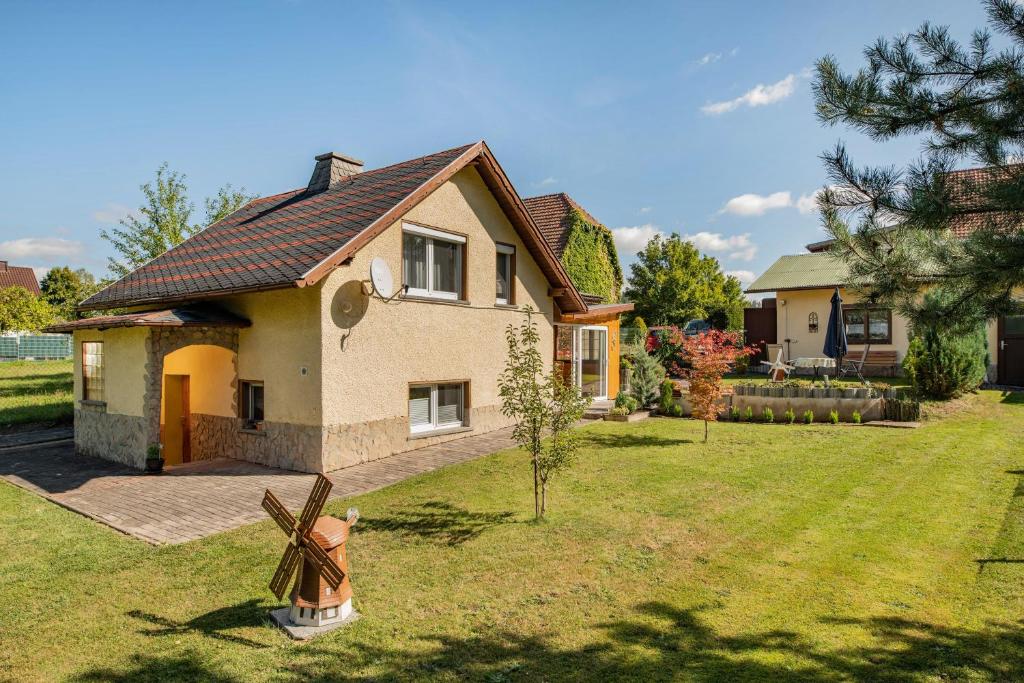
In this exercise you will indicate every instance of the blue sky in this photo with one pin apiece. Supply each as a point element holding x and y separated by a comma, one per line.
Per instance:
<point>694,117</point>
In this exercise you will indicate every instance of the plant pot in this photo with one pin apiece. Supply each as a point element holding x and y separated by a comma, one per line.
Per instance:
<point>154,465</point>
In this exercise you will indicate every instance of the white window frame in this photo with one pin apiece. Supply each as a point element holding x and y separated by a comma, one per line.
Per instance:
<point>509,252</point>
<point>433,425</point>
<point>431,236</point>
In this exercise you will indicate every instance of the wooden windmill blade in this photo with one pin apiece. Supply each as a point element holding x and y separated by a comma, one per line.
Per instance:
<point>324,564</point>
<point>315,504</point>
<point>276,509</point>
<point>283,575</point>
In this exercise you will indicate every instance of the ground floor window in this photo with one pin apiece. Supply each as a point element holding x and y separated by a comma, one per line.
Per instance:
<point>436,406</point>
<point>868,325</point>
<point>251,403</point>
<point>92,371</point>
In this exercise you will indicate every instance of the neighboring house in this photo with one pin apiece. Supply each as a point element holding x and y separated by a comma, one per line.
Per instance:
<point>18,276</point>
<point>803,286</point>
<point>258,337</point>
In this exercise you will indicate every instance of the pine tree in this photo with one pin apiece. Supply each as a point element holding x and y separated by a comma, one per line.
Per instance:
<point>891,225</point>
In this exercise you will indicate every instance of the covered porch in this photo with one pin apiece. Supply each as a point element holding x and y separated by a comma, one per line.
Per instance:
<point>587,349</point>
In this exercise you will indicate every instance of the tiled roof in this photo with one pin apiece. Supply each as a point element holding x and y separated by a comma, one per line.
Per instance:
<point>205,316</point>
<point>551,213</point>
<point>294,239</point>
<point>18,276</point>
<point>802,271</point>
<point>967,187</point>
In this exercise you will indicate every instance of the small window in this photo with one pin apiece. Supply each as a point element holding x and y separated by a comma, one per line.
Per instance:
<point>92,371</point>
<point>432,262</point>
<point>812,323</point>
<point>252,403</point>
<point>505,274</point>
<point>868,325</point>
<point>436,406</point>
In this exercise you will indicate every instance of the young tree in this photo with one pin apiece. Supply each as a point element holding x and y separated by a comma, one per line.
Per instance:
<point>23,311</point>
<point>164,220</point>
<point>541,405</point>
<point>64,288</point>
<point>671,283</point>
<point>710,355</point>
<point>646,377</point>
<point>892,226</point>
<point>942,365</point>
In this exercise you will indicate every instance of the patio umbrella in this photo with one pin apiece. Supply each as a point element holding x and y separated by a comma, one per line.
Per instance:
<point>835,335</point>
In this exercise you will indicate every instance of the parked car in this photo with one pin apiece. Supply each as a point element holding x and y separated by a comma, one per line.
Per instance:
<point>695,327</point>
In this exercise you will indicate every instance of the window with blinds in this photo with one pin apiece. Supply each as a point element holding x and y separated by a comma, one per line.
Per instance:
<point>436,406</point>
<point>92,371</point>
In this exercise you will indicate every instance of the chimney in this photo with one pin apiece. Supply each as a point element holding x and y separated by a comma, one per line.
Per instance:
<point>3,266</point>
<point>331,168</point>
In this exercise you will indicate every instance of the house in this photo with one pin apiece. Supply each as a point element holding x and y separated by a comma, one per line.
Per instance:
<point>18,276</point>
<point>803,285</point>
<point>261,338</point>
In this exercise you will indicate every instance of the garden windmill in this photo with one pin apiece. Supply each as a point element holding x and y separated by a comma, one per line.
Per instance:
<point>316,556</point>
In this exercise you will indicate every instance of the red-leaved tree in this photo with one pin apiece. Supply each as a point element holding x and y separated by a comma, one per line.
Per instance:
<point>710,356</point>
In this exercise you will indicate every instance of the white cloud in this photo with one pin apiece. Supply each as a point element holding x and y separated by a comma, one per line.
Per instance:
<point>758,96</point>
<point>40,272</point>
<point>709,58</point>
<point>744,276</point>
<point>808,203</point>
<point>757,204</point>
<point>111,213</point>
<point>546,182</point>
<point>645,209</point>
<point>46,249</point>
<point>734,246</point>
<point>631,239</point>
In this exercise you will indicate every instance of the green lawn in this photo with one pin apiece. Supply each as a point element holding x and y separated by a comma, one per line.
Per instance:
<point>35,391</point>
<point>775,552</point>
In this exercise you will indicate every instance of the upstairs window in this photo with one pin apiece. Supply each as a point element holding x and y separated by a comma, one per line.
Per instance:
<point>251,403</point>
<point>505,274</point>
<point>868,325</point>
<point>436,406</point>
<point>432,262</point>
<point>92,371</point>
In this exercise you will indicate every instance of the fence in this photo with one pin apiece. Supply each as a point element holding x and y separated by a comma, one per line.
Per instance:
<point>35,347</point>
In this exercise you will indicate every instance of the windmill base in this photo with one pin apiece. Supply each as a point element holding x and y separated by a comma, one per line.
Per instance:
<point>282,617</point>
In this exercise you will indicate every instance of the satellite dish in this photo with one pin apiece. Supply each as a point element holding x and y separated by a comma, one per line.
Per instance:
<point>380,277</point>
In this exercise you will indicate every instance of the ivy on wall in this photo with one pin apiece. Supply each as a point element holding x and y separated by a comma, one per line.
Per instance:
<point>590,258</point>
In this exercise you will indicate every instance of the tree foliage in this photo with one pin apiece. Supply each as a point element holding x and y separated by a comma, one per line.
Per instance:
<point>541,404</point>
<point>671,283</point>
<point>64,289</point>
<point>590,258</point>
<point>966,102</point>
<point>646,377</point>
<point>710,355</point>
<point>23,311</point>
<point>940,362</point>
<point>164,220</point>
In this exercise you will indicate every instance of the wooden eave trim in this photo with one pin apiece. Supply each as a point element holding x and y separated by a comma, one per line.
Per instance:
<point>170,301</point>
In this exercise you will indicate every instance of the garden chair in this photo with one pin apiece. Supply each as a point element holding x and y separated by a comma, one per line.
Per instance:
<point>856,367</point>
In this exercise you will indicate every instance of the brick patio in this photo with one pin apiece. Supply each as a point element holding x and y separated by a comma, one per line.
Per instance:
<point>195,500</point>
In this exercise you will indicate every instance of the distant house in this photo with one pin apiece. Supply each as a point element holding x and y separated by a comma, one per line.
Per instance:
<point>261,338</point>
<point>803,286</point>
<point>18,276</point>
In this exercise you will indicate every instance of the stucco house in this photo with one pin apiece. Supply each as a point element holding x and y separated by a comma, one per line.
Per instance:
<point>260,337</point>
<point>803,285</point>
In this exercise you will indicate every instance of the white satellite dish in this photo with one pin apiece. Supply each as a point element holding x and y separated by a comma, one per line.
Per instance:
<point>380,278</point>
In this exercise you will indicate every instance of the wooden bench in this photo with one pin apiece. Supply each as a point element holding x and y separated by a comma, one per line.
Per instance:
<point>875,359</point>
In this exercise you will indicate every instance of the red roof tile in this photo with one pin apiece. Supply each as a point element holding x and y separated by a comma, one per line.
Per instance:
<point>968,187</point>
<point>18,276</point>
<point>551,213</point>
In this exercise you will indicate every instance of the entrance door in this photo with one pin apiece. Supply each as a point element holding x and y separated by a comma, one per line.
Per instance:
<point>176,429</point>
<point>592,355</point>
<point>1011,350</point>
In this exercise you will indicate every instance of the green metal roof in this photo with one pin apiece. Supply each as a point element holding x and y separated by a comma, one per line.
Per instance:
<point>802,271</point>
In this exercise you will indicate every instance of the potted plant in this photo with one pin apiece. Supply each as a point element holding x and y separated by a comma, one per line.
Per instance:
<point>154,458</point>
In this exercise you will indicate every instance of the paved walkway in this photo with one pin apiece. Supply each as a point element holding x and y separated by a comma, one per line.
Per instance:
<point>28,438</point>
<point>195,500</point>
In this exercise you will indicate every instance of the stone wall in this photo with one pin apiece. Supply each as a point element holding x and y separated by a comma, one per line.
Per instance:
<point>213,436</point>
<point>111,436</point>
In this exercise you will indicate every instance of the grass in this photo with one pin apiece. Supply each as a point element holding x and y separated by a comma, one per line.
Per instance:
<point>35,391</point>
<point>796,553</point>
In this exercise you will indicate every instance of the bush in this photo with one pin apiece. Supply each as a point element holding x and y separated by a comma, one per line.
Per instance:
<point>749,415</point>
<point>855,418</point>
<point>734,414</point>
<point>666,400</point>
<point>619,410</point>
<point>677,410</point>
<point>624,400</point>
<point>767,415</point>
<point>808,417</point>
<point>790,416</point>
<point>943,362</point>
<point>647,376</point>
<point>833,417</point>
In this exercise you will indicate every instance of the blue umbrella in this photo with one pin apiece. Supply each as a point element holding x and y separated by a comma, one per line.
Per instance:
<point>835,335</point>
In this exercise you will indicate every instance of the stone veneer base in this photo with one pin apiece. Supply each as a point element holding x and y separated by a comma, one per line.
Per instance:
<point>111,436</point>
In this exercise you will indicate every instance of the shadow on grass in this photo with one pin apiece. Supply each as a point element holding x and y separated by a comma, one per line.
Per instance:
<point>1013,397</point>
<point>48,385</point>
<point>157,668</point>
<point>212,624</point>
<point>437,520</point>
<point>630,441</point>
<point>662,643</point>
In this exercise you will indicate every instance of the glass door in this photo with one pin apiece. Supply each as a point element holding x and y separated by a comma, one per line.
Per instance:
<point>592,361</point>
